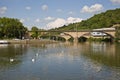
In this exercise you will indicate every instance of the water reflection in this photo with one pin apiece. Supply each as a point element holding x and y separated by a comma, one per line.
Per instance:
<point>3,45</point>
<point>60,61</point>
<point>9,54</point>
<point>107,54</point>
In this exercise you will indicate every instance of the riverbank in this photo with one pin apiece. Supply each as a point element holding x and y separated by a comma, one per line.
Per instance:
<point>32,41</point>
<point>3,42</point>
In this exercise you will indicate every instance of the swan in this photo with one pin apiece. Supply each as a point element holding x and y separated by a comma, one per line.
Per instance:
<point>11,60</point>
<point>33,60</point>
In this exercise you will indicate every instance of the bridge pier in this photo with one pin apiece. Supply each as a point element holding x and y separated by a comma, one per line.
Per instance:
<point>75,40</point>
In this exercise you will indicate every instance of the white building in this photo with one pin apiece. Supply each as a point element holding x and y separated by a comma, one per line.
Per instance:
<point>99,33</point>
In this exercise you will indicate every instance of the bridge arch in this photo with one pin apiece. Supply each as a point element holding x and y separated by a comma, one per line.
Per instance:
<point>66,36</point>
<point>77,35</point>
<point>86,35</point>
<point>82,39</point>
<point>58,38</point>
<point>110,34</point>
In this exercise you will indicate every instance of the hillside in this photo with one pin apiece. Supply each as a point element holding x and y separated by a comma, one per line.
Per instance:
<point>102,20</point>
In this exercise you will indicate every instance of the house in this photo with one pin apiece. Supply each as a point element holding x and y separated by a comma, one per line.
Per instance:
<point>98,34</point>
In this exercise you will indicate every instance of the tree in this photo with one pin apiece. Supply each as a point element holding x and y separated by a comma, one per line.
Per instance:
<point>35,32</point>
<point>1,32</point>
<point>11,28</point>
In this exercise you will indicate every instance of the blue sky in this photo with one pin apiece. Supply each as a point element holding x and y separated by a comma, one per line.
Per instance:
<point>48,14</point>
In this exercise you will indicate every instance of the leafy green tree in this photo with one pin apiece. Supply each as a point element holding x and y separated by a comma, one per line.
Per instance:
<point>35,32</point>
<point>1,32</point>
<point>11,28</point>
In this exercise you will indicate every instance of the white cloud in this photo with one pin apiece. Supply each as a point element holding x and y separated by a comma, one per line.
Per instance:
<point>22,20</point>
<point>73,20</point>
<point>28,8</point>
<point>115,1</point>
<point>49,18</point>
<point>61,22</point>
<point>44,7</point>
<point>3,10</point>
<point>57,23</point>
<point>92,8</point>
<point>37,20</point>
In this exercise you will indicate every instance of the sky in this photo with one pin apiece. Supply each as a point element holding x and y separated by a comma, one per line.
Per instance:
<point>47,14</point>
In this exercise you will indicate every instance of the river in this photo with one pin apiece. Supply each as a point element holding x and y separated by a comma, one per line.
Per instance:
<point>60,61</point>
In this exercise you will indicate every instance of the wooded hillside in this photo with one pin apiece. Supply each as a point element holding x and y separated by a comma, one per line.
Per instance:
<point>102,20</point>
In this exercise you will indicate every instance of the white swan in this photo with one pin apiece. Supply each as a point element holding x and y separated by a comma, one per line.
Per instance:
<point>33,60</point>
<point>11,60</point>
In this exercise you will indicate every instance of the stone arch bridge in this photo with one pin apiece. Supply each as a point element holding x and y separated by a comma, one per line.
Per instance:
<point>87,34</point>
<point>82,33</point>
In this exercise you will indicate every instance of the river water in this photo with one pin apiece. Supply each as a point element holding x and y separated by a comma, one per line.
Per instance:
<point>60,61</point>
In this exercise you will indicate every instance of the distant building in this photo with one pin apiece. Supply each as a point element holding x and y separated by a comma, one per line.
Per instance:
<point>98,34</point>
